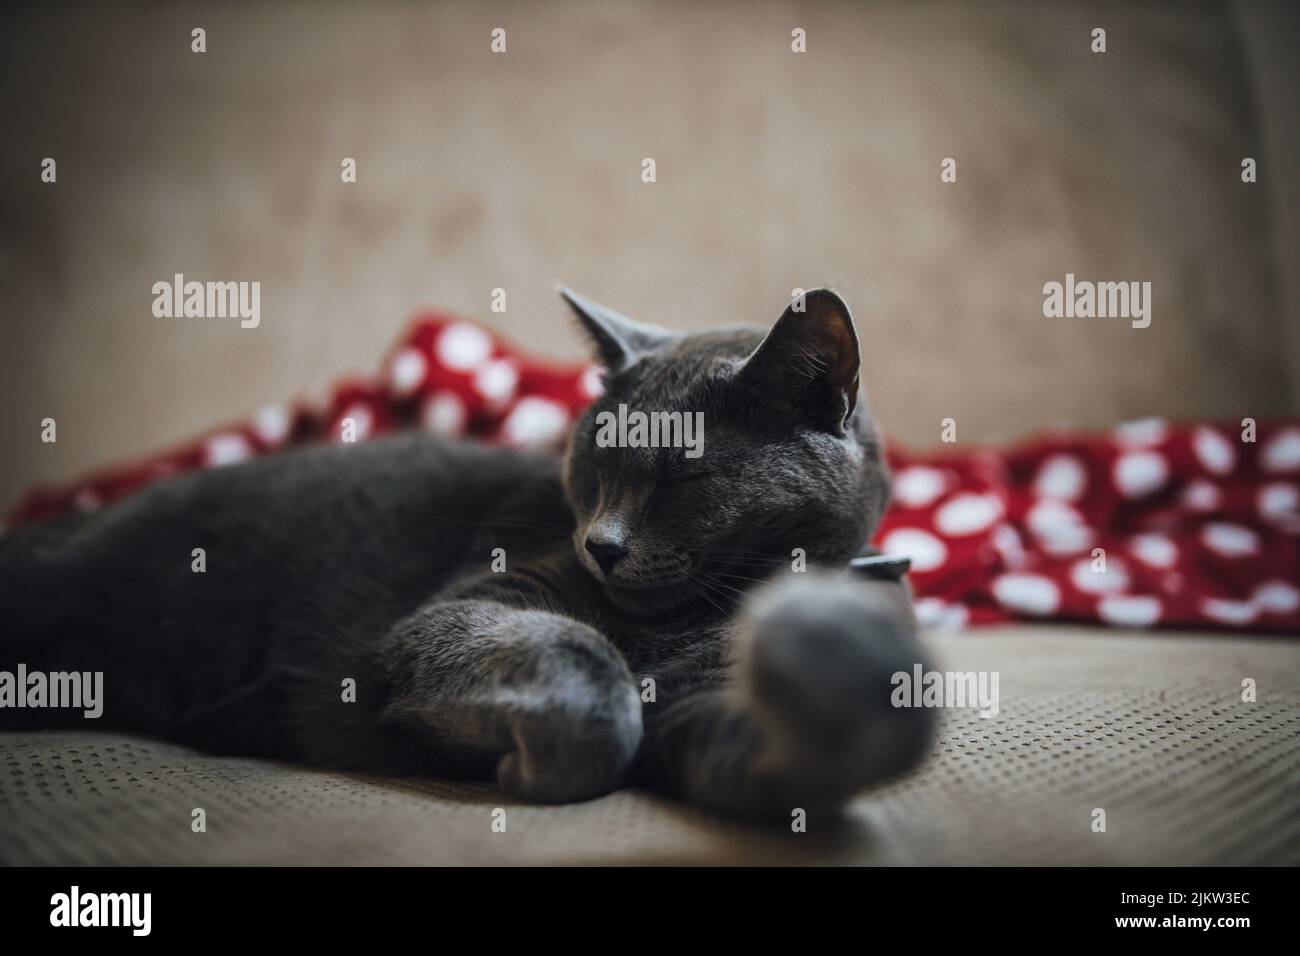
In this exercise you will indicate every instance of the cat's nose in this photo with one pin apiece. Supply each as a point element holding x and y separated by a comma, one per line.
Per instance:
<point>607,551</point>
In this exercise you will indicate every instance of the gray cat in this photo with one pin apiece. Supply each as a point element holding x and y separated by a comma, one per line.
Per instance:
<point>647,628</point>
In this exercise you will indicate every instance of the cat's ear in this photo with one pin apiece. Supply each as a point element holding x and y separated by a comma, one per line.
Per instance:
<point>618,339</point>
<point>809,361</point>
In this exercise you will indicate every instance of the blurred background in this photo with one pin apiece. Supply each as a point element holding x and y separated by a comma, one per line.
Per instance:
<point>775,170</point>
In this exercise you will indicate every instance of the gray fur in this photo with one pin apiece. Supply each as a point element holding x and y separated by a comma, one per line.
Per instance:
<point>372,562</point>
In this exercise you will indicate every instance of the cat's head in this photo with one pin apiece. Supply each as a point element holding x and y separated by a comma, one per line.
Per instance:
<point>786,463</point>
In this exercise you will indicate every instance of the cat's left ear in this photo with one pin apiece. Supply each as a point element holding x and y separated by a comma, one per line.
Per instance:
<point>809,361</point>
<point>618,340</point>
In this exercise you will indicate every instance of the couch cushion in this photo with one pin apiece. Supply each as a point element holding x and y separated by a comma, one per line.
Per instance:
<point>1151,729</point>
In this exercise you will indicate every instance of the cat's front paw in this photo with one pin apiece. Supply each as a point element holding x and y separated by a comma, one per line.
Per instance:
<point>575,730</point>
<point>819,660</point>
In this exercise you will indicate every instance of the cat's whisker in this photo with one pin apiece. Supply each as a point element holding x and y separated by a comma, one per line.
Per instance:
<point>740,577</point>
<point>744,562</point>
<point>719,586</point>
<point>717,590</point>
<point>745,588</point>
<point>691,586</point>
<point>736,552</point>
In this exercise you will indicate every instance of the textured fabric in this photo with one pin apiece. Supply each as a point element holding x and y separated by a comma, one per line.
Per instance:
<point>1194,527</point>
<point>1151,730</point>
<point>1146,524</point>
<point>775,170</point>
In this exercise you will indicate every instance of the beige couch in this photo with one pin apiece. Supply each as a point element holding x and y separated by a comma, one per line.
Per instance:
<point>1150,730</point>
<point>775,170</point>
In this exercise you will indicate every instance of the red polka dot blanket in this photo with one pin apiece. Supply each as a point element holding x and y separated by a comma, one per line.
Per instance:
<point>1150,524</point>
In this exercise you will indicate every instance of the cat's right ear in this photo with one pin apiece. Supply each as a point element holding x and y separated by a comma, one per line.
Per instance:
<point>619,340</point>
<point>809,361</point>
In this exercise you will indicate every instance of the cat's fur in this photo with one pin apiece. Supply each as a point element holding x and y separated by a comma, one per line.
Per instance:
<point>700,665</point>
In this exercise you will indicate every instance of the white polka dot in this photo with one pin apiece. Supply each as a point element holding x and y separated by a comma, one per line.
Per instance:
<point>1049,516</point>
<point>1230,540</point>
<point>463,347</point>
<point>1027,593</point>
<point>1277,597</point>
<point>1282,453</point>
<point>1066,540</point>
<point>1006,542</point>
<point>1229,612</point>
<point>443,413</point>
<point>593,381</point>
<point>1085,577</point>
<point>272,424</point>
<point>1156,550</point>
<point>1129,610</point>
<point>363,423</point>
<point>1139,473</point>
<point>407,371</point>
<point>1200,495</point>
<point>1059,527</point>
<point>1062,477</point>
<point>967,513</point>
<point>1213,451</point>
<point>535,423</point>
<point>1278,501</point>
<point>936,614</point>
<point>926,551</point>
<point>226,449</point>
<point>88,499</point>
<point>1141,433</point>
<point>918,486</point>
<point>496,382</point>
